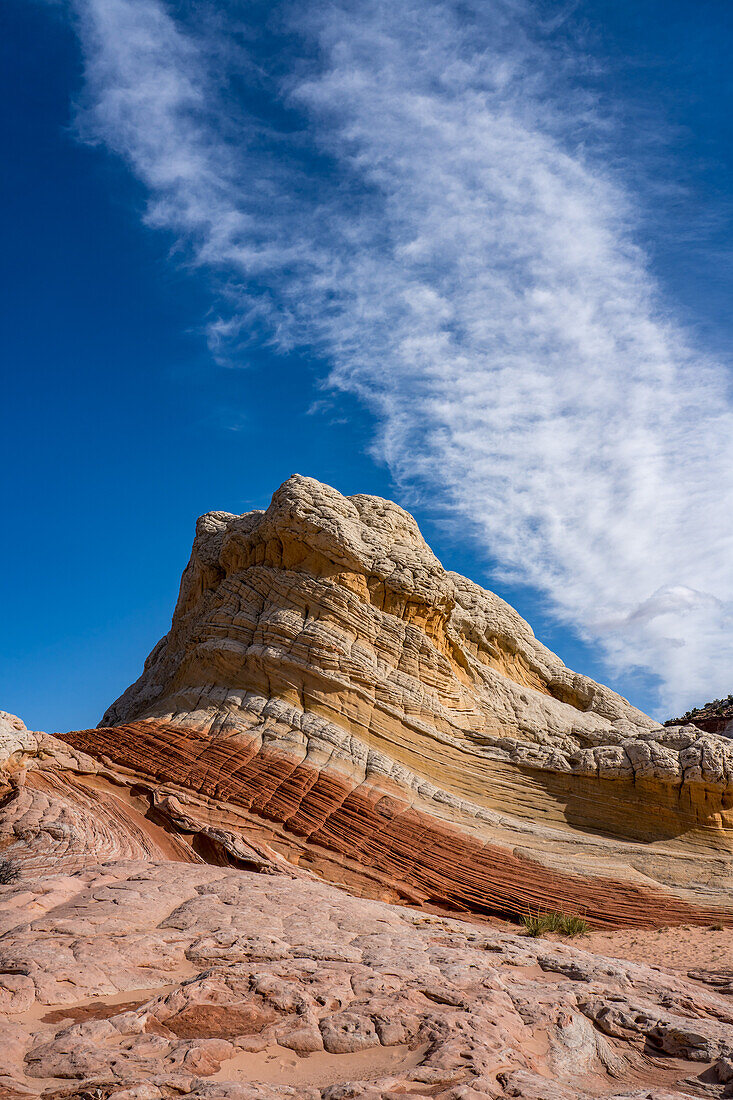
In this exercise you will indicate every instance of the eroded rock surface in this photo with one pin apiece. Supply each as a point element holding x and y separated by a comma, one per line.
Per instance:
<point>63,810</point>
<point>139,980</point>
<point>14,737</point>
<point>329,690</point>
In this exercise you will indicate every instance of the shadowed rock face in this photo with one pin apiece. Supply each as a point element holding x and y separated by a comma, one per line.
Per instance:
<point>328,690</point>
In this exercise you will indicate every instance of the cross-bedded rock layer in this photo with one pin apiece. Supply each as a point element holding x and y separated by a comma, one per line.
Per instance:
<point>331,704</point>
<point>132,970</point>
<point>329,690</point>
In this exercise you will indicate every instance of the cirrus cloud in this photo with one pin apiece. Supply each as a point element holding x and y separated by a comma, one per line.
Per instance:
<point>417,194</point>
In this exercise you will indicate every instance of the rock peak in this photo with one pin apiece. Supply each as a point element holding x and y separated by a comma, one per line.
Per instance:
<point>323,669</point>
<point>315,535</point>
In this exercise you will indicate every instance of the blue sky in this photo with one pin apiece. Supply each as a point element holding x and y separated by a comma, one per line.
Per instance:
<point>479,262</point>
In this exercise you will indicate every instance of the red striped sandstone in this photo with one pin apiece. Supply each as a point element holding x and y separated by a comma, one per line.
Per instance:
<point>330,703</point>
<point>150,979</point>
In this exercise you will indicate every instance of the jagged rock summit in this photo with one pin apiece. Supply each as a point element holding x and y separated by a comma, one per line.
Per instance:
<point>326,587</point>
<point>330,691</point>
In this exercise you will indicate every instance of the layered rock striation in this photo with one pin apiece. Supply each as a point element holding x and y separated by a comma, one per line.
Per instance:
<point>133,969</point>
<point>330,693</point>
<point>331,704</point>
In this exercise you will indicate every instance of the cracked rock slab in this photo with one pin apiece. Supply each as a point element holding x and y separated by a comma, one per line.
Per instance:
<point>119,1000</point>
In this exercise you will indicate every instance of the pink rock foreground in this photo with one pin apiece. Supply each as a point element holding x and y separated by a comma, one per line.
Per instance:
<point>137,980</point>
<point>130,969</point>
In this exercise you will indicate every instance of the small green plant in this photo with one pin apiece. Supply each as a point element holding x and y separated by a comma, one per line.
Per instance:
<point>566,924</point>
<point>8,872</point>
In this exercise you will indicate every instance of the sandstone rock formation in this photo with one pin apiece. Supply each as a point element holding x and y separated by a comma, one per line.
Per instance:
<point>139,980</point>
<point>14,737</point>
<point>57,811</point>
<point>130,969</point>
<point>329,693</point>
<point>714,717</point>
<point>330,703</point>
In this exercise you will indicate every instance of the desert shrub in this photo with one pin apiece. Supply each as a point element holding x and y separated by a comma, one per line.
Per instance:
<point>566,924</point>
<point>8,872</point>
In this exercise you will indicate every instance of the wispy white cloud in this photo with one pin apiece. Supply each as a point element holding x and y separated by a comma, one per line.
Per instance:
<point>420,197</point>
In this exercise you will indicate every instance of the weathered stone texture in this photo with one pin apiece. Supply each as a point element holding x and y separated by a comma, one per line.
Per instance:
<point>323,672</point>
<point>331,704</point>
<point>143,981</point>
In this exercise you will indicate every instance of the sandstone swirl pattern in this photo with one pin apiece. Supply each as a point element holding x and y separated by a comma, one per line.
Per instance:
<point>330,692</point>
<point>131,969</point>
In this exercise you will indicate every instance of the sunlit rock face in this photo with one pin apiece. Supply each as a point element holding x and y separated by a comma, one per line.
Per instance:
<point>330,691</point>
<point>60,810</point>
<point>14,737</point>
<point>330,703</point>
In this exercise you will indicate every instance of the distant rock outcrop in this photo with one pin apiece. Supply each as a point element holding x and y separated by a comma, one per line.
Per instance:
<point>329,690</point>
<point>715,717</point>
